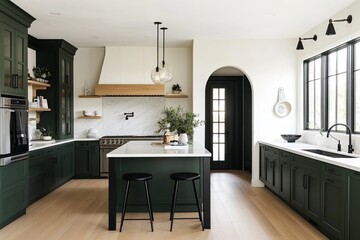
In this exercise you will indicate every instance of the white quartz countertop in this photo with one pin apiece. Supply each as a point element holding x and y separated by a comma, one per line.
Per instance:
<point>36,145</point>
<point>156,149</point>
<point>349,163</point>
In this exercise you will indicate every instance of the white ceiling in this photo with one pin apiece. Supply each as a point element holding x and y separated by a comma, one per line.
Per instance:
<point>87,23</point>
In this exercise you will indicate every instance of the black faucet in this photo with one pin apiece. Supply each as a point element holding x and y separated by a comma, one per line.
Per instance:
<point>350,149</point>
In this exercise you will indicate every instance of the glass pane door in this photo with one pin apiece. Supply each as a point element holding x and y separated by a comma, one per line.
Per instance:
<point>221,130</point>
<point>218,133</point>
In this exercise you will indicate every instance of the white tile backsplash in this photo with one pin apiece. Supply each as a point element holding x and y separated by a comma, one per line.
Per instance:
<point>147,111</point>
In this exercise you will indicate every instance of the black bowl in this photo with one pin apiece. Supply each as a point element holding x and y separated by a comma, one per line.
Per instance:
<point>290,137</point>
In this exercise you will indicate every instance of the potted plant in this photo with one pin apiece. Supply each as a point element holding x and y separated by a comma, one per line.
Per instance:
<point>176,119</point>
<point>176,89</point>
<point>45,133</point>
<point>41,73</point>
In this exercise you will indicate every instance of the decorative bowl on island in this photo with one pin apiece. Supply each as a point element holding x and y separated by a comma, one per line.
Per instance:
<point>290,138</point>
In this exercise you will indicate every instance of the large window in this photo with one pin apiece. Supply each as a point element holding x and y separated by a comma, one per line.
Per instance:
<point>332,88</point>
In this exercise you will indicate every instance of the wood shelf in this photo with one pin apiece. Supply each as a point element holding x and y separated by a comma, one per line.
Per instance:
<point>90,117</point>
<point>171,95</point>
<point>37,86</point>
<point>89,96</point>
<point>39,109</point>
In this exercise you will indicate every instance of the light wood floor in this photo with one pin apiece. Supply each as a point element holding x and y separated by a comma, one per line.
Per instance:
<point>78,210</point>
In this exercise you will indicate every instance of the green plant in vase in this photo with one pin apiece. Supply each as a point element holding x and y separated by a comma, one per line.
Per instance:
<point>176,89</point>
<point>176,119</point>
<point>46,133</point>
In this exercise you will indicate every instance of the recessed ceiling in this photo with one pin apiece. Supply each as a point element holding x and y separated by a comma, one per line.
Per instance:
<point>118,22</point>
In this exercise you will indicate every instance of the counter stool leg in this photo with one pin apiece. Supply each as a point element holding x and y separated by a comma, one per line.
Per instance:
<point>173,204</point>
<point>198,205</point>
<point>125,204</point>
<point>151,217</point>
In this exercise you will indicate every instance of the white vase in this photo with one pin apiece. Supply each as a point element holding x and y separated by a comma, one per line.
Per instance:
<point>183,139</point>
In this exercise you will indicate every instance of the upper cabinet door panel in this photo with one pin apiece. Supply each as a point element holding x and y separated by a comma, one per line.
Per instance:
<point>13,61</point>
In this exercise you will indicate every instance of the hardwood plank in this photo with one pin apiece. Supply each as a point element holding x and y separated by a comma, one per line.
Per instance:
<point>78,210</point>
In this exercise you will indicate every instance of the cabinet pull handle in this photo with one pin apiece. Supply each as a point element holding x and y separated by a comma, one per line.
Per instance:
<point>305,181</point>
<point>330,180</point>
<point>14,81</point>
<point>331,170</point>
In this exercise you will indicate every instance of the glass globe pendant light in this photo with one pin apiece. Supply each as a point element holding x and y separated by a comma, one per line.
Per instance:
<point>166,75</point>
<point>156,74</point>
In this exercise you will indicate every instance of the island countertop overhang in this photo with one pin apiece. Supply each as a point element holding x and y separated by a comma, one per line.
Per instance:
<point>150,149</point>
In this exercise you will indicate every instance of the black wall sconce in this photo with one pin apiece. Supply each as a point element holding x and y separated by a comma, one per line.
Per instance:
<point>331,30</point>
<point>300,45</point>
<point>127,115</point>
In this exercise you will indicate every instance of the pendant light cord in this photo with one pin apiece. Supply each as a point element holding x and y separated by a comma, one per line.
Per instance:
<point>163,61</point>
<point>157,45</point>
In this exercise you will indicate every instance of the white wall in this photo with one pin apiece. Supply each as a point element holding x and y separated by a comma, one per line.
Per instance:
<point>269,64</point>
<point>87,67</point>
<point>344,33</point>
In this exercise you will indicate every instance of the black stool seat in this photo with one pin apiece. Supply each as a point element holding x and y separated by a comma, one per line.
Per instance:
<point>144,177</point>
<point>137,176</point>
<point>185,176</point>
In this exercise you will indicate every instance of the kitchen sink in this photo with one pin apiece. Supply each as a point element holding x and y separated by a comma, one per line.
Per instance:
<point>327,154</point>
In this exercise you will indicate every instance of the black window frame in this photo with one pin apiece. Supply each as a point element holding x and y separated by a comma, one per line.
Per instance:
<point>350,87</point>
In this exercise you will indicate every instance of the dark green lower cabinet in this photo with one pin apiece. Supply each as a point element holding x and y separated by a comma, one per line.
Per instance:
<point>50,168</point>
<point>13,191</point>
<point>285,179</point>
<point>333,196</point>
<point>305,186</point>
<point>353,206</point>
<point>36,175</point>
<point>325,194</point>
<point>87,159</point>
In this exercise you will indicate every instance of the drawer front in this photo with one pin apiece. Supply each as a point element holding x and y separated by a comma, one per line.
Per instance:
<point>83,144</point>
<point>271,150</point>
<point>332,170</point>
<point>285,155</point>
<point>35,154</point>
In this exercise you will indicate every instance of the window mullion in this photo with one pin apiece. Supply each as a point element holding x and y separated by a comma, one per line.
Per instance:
<point>324,92</point>
<point>350,87</point>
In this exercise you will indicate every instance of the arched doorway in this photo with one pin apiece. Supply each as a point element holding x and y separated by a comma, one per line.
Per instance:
<point>228,117</point>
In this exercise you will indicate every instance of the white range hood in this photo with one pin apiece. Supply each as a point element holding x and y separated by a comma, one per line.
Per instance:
<point>126,72</point>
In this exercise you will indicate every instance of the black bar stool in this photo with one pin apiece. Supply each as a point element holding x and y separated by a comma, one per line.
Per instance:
<point>186,176</point>
<point>137,177</point>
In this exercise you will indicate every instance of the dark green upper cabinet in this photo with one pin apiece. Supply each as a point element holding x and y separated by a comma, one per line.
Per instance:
<point>14,24</point>
<point>58,57</point>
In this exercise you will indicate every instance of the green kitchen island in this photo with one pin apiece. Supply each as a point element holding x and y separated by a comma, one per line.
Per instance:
<point>153,158</point>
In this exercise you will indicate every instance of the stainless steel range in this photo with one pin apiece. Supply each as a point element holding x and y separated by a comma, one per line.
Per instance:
<point>109,143</point>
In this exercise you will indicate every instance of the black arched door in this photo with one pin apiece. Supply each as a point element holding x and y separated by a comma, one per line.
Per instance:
<point>228,125</point>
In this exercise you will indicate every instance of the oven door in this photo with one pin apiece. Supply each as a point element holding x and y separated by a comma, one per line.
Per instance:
<point>5,141</point>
